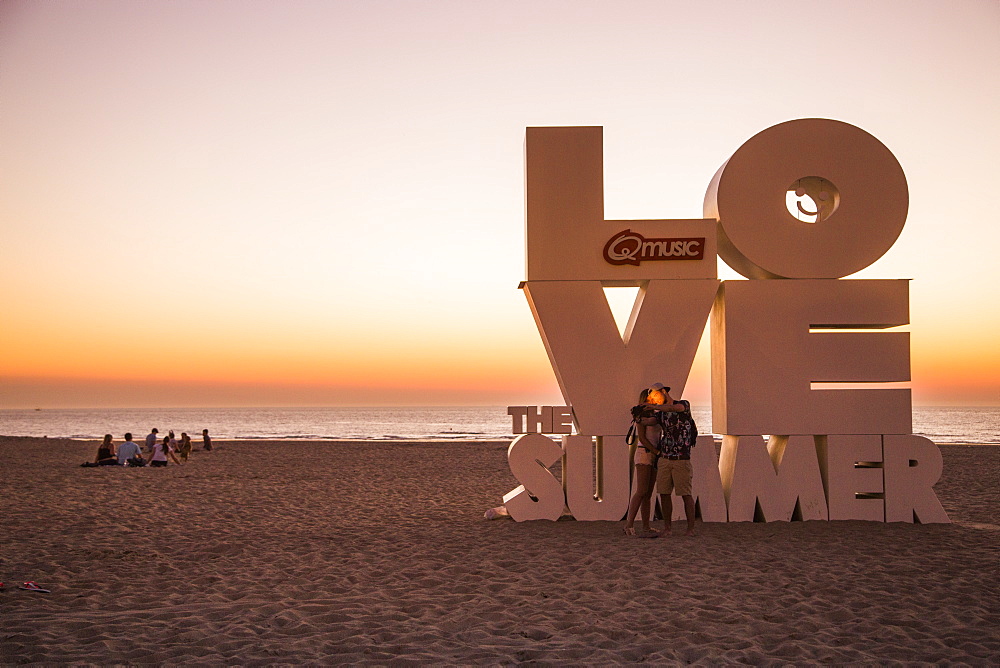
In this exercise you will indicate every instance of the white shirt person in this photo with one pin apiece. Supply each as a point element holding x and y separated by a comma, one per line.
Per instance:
<point>128,451</point>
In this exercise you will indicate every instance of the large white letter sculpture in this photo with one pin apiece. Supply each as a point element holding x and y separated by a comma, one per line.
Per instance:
<point>832,453</point>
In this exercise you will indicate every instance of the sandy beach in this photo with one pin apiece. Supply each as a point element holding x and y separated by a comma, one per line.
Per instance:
<point>378,553</point>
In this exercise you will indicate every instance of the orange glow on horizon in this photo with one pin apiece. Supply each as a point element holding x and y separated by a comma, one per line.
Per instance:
<point>450,365</point>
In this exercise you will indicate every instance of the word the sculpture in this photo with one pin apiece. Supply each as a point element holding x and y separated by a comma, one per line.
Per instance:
<point>797,208</point>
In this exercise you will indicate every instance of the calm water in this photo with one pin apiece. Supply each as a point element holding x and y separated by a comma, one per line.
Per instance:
<point>942,425</point>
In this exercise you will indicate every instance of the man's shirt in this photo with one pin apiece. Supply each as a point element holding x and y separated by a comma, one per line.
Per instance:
<point>678,431</point>
<point>127,451</point>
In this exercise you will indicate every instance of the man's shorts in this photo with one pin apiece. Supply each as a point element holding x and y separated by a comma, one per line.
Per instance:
<point>674,477</point>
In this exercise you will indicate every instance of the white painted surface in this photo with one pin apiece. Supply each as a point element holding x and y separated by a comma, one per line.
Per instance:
<point>913,464</point>
<point>759,238</point>
<point>851,465</point>
<point>596,476</point>
<point>565,227</point>
<point>530,457</point>
<point>599,373</point>
<point>764,357</point>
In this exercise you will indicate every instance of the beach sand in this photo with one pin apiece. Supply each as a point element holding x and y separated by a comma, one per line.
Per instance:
<point>377,553</point>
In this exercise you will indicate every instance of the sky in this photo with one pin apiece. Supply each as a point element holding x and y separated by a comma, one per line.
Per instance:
<point>298,203</point>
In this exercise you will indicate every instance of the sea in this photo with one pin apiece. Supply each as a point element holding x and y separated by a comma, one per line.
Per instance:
<point>980,424</point>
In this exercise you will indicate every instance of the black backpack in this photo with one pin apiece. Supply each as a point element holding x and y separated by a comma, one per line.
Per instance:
<point>693,428</point>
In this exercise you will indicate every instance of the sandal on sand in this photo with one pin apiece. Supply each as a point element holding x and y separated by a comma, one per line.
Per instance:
<point>630,531</point>
<point>31,586</point>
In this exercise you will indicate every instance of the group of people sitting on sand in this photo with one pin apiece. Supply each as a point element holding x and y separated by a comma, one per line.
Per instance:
<point>159,452</point>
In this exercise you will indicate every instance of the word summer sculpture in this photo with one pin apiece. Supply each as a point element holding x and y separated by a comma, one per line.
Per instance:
<point>796,208</point>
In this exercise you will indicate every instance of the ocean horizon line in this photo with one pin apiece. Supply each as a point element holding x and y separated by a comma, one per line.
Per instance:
<point>942,424</point>
<point>706,406</point>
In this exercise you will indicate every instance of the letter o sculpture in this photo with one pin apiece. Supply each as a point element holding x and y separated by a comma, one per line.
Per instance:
<point>759,238</point>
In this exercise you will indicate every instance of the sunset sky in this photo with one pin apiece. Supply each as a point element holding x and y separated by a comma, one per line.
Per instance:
<point>268,203</point>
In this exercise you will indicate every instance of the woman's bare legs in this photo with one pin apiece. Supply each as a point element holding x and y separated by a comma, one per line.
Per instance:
<point>643,490</point>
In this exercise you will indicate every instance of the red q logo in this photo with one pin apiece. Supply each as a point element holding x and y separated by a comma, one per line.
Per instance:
<point>628,247</point>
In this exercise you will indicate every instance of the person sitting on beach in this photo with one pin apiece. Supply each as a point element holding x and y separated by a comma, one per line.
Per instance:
<point>105,454</point>
<point>160,453</point>
<point>185,446</point>
<point>151,439</point>
<point>129,454</point>
<point>206,440</point>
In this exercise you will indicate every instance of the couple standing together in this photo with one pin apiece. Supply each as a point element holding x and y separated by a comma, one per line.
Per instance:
<point>666,433</point>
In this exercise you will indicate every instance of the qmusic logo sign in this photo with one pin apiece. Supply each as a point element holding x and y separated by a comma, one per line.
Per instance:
<point>628,247</point>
